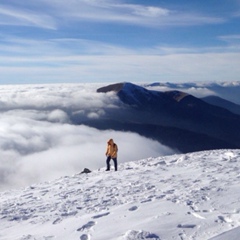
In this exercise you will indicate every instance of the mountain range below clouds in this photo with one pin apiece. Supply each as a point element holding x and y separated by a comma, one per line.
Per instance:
<point>174,118</point>
<point>50,130</point>
<point>217,101</point>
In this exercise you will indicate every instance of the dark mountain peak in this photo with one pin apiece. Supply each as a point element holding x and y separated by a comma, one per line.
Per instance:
<point>175,118</point>
<point>139,96</point>
<point>124,86</point>
<point>176,103</point>
<point>111,88</point>
<point>131,94</point>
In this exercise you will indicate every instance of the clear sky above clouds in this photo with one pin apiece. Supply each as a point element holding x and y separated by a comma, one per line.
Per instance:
<point>119,40</point>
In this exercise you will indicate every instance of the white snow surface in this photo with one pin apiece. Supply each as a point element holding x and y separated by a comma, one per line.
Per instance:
<point>182,196</point>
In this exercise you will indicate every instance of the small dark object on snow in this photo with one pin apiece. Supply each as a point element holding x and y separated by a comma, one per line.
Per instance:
<point>86,170</point>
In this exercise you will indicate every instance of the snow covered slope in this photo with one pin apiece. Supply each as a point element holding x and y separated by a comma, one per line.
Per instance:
<point>187,196</point>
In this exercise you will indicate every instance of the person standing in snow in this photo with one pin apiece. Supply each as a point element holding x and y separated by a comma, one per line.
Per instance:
<point>111,153</point>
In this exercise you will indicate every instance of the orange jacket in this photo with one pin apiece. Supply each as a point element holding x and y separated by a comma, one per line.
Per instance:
<point>112,149</point>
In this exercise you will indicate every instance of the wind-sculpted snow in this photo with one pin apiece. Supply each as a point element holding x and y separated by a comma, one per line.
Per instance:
<point>191,196</point>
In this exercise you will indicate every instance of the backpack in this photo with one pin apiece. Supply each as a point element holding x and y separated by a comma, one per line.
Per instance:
<point>115,147</point>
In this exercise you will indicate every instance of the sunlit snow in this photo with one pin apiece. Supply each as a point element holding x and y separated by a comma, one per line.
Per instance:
<point>191,196</point>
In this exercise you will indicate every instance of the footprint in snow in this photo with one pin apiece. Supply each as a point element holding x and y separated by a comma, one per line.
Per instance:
<point>186,225</point>
<point>86,226</point>
<point>133,208</point>
<point>56,221</point>
<point>224,219</point>
<point>28,237</point>
<point>182,236</point>
<point>147,200</point>
<point>138,235</point>
<point>84,237</point>
<point>101,215</point>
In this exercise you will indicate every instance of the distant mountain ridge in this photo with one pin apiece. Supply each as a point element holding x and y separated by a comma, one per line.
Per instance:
<point>220,102</point>
<point>225,90</point>
<point>192,123</point>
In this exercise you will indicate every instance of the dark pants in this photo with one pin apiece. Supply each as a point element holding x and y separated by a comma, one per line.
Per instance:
<point>108,162</point>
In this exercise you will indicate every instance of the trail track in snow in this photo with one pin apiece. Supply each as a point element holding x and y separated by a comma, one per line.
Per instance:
<point>186,196</point>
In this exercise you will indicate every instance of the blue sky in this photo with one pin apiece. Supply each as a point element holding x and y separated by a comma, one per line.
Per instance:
<point>116,40</point>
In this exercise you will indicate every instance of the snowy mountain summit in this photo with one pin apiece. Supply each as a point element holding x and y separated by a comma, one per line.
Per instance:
<point>163,115</point>
<point>183,196</point>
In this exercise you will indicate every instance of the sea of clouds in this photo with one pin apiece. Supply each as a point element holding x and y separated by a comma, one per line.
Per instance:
<point>39,142</point>
<point>40,139</point>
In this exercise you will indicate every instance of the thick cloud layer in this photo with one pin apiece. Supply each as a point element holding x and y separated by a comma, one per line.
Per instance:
<point>41,151</point>
<point>38,142</point>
